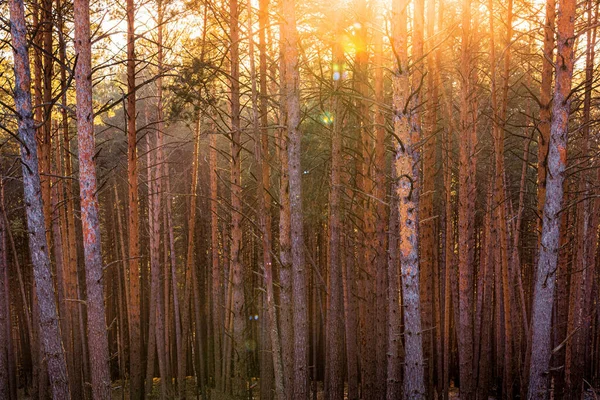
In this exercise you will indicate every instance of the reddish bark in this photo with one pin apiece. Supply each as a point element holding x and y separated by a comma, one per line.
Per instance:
<point>239,366</point>
<point>335,345</point>
<point>466,176</point>
<point>545,108</point>
<point>4,309</point>
<point>96,323</point>
<point>380,192</point>
<point>406,189</point>
<point>289,38</point>
<point>217,298</point>
<point>136,383</point>
<point>285,247</point>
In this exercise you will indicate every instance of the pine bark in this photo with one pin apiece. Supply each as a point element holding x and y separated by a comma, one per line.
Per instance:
<point>4,310</point>
<point>52,349</point>
<point>289,37</point>
<point>285,245</point>
<point>96,323</point>
<point>406,189</point>
<point>381,215</point>
<point>136,383</point>
<point>335,312</point>
<point>466,176</point>
<point>586,237</point>
<point>557,155</point>
<point>545,108</point>
<point>239,366</point>
<point>264,221</point>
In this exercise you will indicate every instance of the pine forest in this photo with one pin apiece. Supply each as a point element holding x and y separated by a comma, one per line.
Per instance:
<point>299,199</point>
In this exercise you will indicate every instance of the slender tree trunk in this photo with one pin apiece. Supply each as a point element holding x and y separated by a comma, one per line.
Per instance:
<point>498,126</point>
<point>52,349</point>
<point>545,108</point>
<point>46,130</point>
<point>74,308</point>
<point>381,215</point>
<point>350,315</point>
<point>160,167</point>
<point>136,382</point>
<point>406,188</point>
<point>466,176</point>
<point>394,316</point>
<point>217,298</point>
<point>156,325</point>
<point>545,275</point>
<point>264,222</point>
<point>586,239</point>
<point>4,309</point>
<point>362,205</point>
<point>289,37</point>
<point>190,260</point>
<point>239,371</point>
<point>335,324</point>
<point>96,323</point>
<point>428,228</point>
<point>285,246</point>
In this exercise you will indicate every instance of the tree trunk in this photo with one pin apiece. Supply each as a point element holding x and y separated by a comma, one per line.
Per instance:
<point>335,312</point>
<point>239,366</point>
<point>406,189</point>
<point>217,298</point>
<point>545,276</point>
<point>5,328</point>
<point>136,382</point>
<point>545,107</point>
<point>586,238</point>
<point>466,176</point>
<point>394,316</point>
<point>52,348</point>
<point>97,334</point>
<point>380,191</point>
<point>285,246</point>
<point>289,37</point>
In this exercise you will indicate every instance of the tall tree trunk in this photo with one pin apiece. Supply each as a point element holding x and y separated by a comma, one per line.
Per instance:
<point>466,176</point>
<point>406,189</point>
<point>380,191</point>
<point>545,109</point>
<point>289,37</point>
<point>96,323</point>
<point>428,226</point>
<point>350,316</point>
<point>500,228</point>
<point>74,308</point>
<point>46,27</point>
<point>156,323</point>
<point>217,298</point>
<point>586,237</point>
<point>136,382</point>
<point>174,280</point>
<point>335,312</point>
<point>4,309</point>
<point>285,245</point>
<point>190,260</point>
<point>239,371</point>
<point>262,177</point>
<point>362,206</point>
<point>546,271</point>
<point>52,348</point>
<point>394,316</point>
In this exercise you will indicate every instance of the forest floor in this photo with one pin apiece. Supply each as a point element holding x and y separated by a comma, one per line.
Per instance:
<point>121,392</point>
